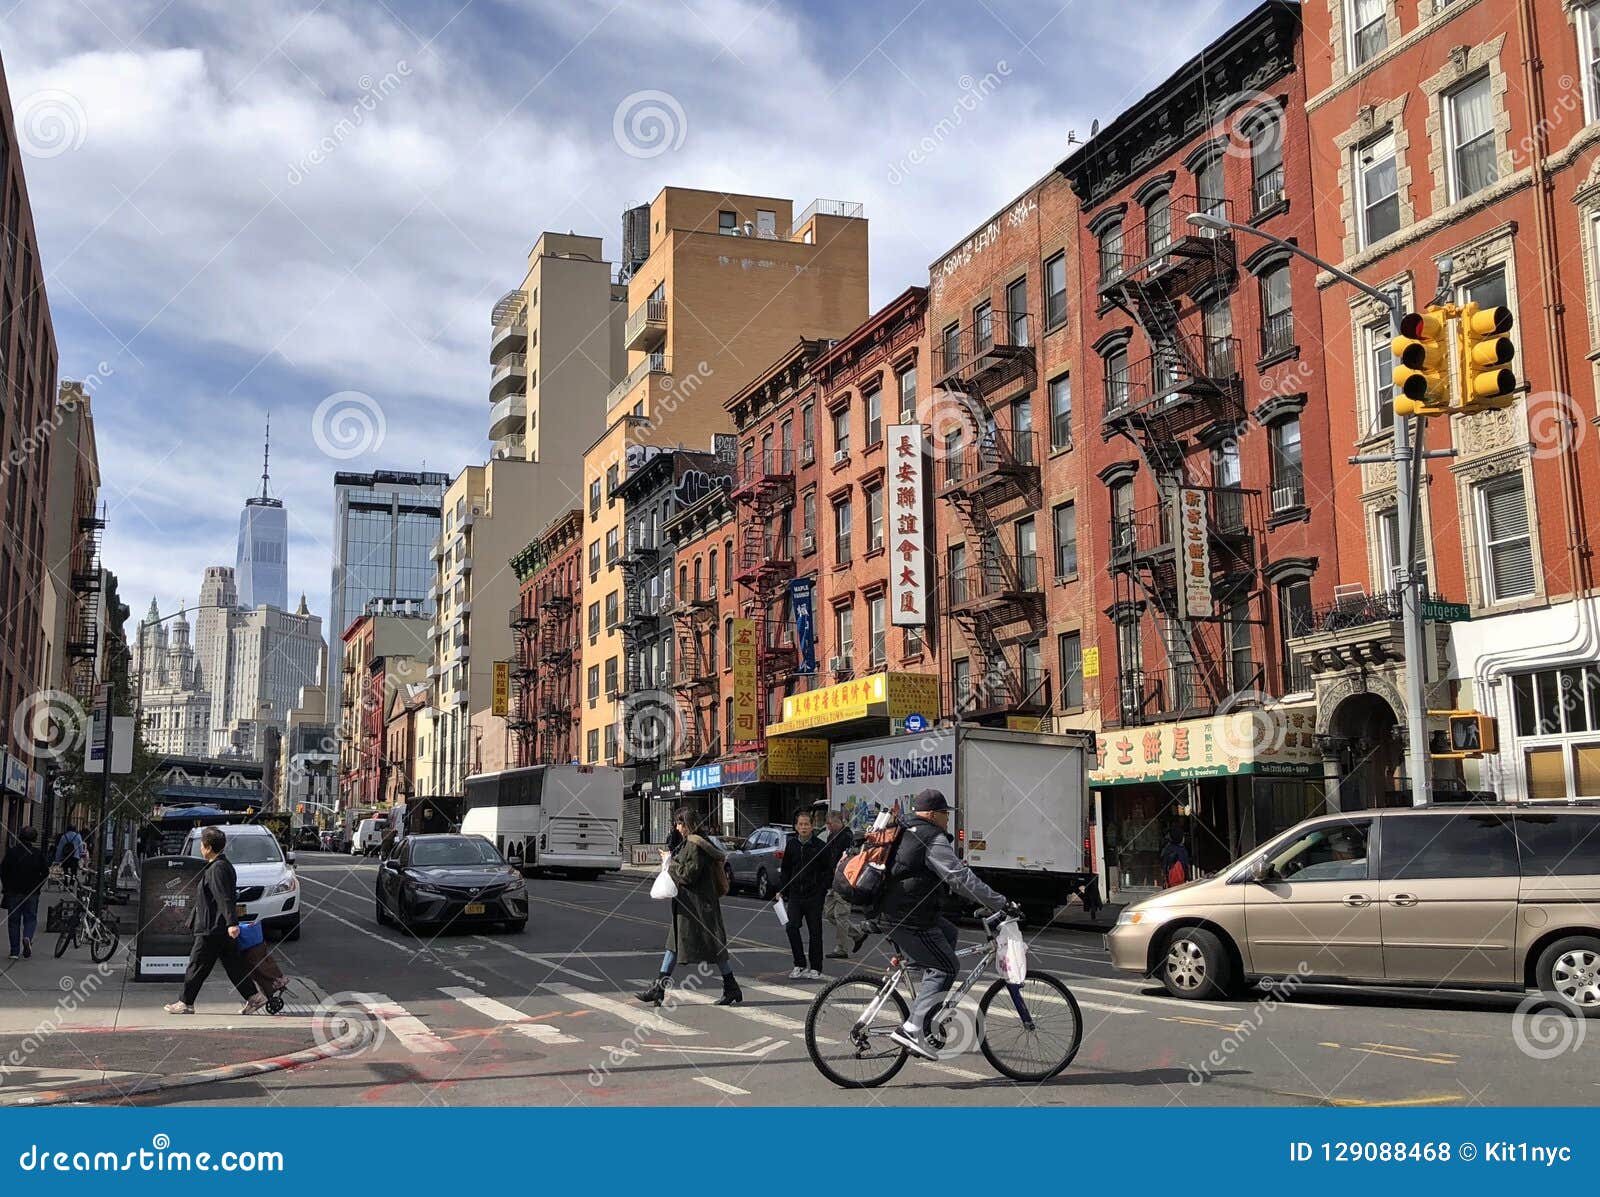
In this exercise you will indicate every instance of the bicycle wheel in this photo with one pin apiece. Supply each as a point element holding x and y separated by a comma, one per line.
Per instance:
<point>1034,1033</point>
<point>855,1057</point>
<point>103,941</point>
<point>68,937</point>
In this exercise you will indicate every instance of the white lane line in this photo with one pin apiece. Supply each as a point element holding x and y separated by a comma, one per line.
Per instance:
<point>952,1070</point>
<point>769,1018</point>
<point>647,954</point>
<point>500,1012</point>
<point>1134,990</point>
<point>411,947</point>
<point>546,961</point>
<point>637,1013</point>
<point>722,1086</point>
<point>412,1033</point>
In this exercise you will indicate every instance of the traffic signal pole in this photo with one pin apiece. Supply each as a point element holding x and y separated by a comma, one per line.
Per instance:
<point>1407,456</point>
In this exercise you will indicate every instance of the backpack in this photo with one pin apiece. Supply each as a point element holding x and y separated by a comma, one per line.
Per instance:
<point>862,879</point>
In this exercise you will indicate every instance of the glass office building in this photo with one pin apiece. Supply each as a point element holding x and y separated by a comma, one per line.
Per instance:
<point>384,527</point>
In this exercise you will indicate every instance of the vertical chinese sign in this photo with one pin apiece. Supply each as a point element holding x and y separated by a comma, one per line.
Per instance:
<point>908,572</point>
<point>1194,555</point>
<point>745,729</point>
<point>502,689</point>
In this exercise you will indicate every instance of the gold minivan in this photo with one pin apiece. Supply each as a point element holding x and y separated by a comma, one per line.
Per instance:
<point>1445,897</point>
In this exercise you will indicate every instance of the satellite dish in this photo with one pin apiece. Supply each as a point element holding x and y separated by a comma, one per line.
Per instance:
<point>1094,127</point>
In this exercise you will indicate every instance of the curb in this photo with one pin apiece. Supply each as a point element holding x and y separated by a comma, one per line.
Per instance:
<point>230,1072</point>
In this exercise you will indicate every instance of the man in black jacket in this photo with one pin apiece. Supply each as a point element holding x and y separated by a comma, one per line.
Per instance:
<point>803,882</point>
<point>22,876</point>
<point>215,926</point>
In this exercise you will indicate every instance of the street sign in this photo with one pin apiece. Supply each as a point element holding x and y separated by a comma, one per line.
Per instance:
<point>915,724</point>
<point>1442,612</point>
<point>121,744</point>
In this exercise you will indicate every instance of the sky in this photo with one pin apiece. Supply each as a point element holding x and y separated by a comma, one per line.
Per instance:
<point>309,209</point>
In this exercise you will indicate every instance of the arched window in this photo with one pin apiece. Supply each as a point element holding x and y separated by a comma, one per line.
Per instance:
<point>727,565</point>
<point>1111,251</point>
<point>1158,223</point>
<point>711,574</point>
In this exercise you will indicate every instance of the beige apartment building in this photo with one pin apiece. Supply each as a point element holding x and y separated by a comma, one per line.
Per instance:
<point>554,349</point>
<point>726,287</point>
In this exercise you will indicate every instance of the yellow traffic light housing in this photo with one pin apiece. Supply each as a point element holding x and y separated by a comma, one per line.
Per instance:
<point>1470,734</point>
<point>1421,365</point>
<point>1487,382</point>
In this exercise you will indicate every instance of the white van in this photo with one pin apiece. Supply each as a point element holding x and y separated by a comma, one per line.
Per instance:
<point>368,837</point>
<point>268,889</point>
<point>565,817</point>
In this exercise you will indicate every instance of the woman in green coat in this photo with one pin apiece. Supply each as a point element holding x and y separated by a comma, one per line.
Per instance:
<point>696,935</point>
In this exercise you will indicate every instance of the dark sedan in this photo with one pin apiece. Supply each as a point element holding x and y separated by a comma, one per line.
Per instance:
<point>450,880</point>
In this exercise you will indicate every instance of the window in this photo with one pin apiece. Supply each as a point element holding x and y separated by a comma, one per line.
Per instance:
<point>727,642</point>
<point>1288,478</point>
<point>711,648</point>
<point>1027,554</point>
<point>613,545</point>
<point>950,346</point>
<point>808,513</point>
<point>1216,318</point>
<point>874,405</point>
<point>1389,546</point>
<point>1116,376</point>
<point>786,447</point>
<point>594,499</point>
<point>1559,845</point>
<point>612,472</point>
<point>592,745</point>
<point>594,620</point>
<point>1111,252</point>
<point>1277,312</point>
<point>841,532</point>
<point>844,630</point>
<point>1367,21</point>
<point>611,741</point>
<point>877,627</point>
<point>711,574</point>
<point>913,644</point>
<point>594,560</point>
<point>1055,289</point>
<point>1069,658</point>
<point>961,684</point>
<point>1294,614</point>
<point>1507,544</point>
<point>808,433</point>
<point>611,676</point>
<point>1064,523</point>
<point>727,720</point>
<point>1017,311</point>
<point>1377,189</point>
<point>1158,224</point>
<point>1241,664</point>
<point>1266,162</point>
<point>1469,120</point>
<point>683,583</point>
<point>1022,430</point>
<point>1061,412</point>
<point>1122,514</point>
<point>1422,847</point>
<point>874,519</point>
<point>1033,690</point>
<point>766,223</point>
<point>982,327</point>
<point>908,395</point>
<point>699,579</point>
<point>727,222</point>
<point>1210,195</point>
<point>1326,852</point>
<point>1589,55</point>
<point>594,683</point>
<point>956,571</point>
<point>841,433</point>
<point>727,566</point>
<point>1380,379</point>
<point>611,611</point>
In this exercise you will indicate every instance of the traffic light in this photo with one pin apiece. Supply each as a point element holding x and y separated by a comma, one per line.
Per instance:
<point>1486,353</point>
<point>1421,369</point>
<point>1469,734</point>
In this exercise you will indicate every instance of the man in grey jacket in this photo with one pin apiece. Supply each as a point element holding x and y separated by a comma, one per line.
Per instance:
<point>925,871</point>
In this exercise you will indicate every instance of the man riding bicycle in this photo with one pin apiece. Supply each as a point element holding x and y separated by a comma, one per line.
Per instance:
<point>925,870</point>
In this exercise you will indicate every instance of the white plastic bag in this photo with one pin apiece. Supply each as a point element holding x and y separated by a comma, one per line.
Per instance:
<point>1011,953</point>
<point>782,912</point>
<point>664,887</point>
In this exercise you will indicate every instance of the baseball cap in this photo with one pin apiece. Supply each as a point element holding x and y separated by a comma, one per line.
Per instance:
<point>931,800</point>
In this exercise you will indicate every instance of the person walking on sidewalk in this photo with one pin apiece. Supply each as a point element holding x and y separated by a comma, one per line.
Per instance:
<point>215,926</point>
<point>803,883</point>
<point>835,910</point>
<point>23,873</point>
<point>696,934</point>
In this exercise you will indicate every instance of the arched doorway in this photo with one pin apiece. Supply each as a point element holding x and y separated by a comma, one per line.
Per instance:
<point>1362,731</point>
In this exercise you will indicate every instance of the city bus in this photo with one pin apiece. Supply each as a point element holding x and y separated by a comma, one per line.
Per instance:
<point>566,818</point>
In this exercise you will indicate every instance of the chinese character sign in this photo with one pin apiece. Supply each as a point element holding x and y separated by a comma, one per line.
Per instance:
<point>502,689</point>
<point>1194,555</point>
<point>745,730</point>
<point>908,542</point>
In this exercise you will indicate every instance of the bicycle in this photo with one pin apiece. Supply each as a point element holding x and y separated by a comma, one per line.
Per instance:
<point>81,924</point>
<point>1030,1038</point>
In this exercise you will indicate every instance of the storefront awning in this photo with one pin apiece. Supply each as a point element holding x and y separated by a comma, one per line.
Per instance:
<point>1269,741</point>
<point>861,706</point>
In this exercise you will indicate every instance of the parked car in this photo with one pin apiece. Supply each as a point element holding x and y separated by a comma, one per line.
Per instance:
<point>307,839</point>
<point>268,889</point>
<point>755,863</point>
<point>368,836</point>
<point>333,840</point>
<point>450,880</point>
<point>1483,896</point>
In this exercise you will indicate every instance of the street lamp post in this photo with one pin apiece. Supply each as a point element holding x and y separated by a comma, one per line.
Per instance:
<point>1407,455</point>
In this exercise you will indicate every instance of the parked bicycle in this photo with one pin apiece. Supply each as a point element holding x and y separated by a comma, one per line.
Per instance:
<point>1031,1035</point>
<point>82,926</point>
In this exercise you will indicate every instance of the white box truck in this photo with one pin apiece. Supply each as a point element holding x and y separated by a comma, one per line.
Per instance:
<point>1020,801</point>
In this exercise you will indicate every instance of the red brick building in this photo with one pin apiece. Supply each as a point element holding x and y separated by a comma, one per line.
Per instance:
<point>544,712</point>
<point>1206,418</point>
<point>1465,134</point>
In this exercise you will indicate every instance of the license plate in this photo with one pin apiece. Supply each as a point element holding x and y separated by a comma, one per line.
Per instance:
<point>474,908</point>
<point>239,908</point>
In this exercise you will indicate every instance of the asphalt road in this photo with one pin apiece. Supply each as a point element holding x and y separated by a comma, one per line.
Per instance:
<point>547,1017</point>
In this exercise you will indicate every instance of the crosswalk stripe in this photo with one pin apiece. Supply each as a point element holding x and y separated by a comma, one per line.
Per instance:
<point>637,1013</point>
<point>500,1012</point>
<point>1135,991</point>
<point>769,1018</point>
<point>409,1030</point>
<point>788,992</point>
<point>722,1086</point>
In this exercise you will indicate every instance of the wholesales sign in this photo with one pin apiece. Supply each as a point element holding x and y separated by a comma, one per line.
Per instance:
<point>908,571</point>
<point>745,730</point>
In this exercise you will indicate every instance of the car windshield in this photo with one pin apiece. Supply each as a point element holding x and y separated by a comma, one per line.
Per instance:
<point>466,850</point>
<point>246,849</point>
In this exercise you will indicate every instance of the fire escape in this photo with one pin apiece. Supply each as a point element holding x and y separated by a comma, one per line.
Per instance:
<point>556,644</point>
<point>83,632</point>
<point>1185,393</point>
<point>978,469</point>
<point>640,738</point>
<point>763,493</point>
<point>524,672</point>
<point>694,675</point>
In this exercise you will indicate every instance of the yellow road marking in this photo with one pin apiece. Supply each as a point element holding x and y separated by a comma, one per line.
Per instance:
<point>1442,1099</point>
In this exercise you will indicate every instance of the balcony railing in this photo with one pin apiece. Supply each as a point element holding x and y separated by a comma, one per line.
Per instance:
<point>1288,487</point>
<point>999,578</point>
<point>1195,366</point>
<point>508,416</point>
<point>1145,695</point>
<point>998,456</point>
<point>766,470</point>
<point>647,324</point>
<point>654,363</point>
<point>1267,191</point>
<point>972,354</point>
<point>1277,334</point>
<point>1166,250</point>
<point>509,376</point>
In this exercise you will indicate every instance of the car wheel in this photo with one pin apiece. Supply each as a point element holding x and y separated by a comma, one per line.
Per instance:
<point>382,914</point>
<point>1196,965</point>
<point>294,932</point>
<point>1569,971</point>
<point>763,886</point>
<point>518,927</point>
